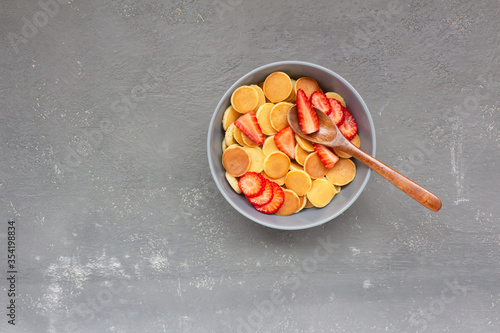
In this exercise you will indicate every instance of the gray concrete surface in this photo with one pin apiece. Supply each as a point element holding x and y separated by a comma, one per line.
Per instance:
<point>119,225</point>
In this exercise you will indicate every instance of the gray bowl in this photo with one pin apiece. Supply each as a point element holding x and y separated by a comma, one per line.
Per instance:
<point>311,217</point>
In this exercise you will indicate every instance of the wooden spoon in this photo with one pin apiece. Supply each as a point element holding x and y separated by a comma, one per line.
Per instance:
<point>330,136</point>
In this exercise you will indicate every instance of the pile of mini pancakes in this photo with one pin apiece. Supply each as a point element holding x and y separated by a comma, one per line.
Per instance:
<point>305,179</point>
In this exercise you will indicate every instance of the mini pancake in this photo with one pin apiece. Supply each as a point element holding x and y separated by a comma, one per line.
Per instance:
<point>229,117</point>
<point>298,181</point>
<point>233,182</point>
<point>342,173</point>
<point>233,145</point>
<point>309,85</point>
<point>306,145</point>
<point>280,181</point>
<point>296,166</point>
<point>278,115</point>
<point>336,96</point>
<point>278,87</point>
<point>355,141</point>
<point>236,161</point>
<point>244,99</point>
<point>224,145</point>
<point>247,141</point>
<point>276,164</point>
<point>308,203</point>
<point>269,145</point>
<point>293,97</point>
<point>257,158</point>
<point>303,201</point>
<point>264,119</point>
<point>321,193</point>
<point>290,205</point>
<point>314,167</point>
<point>229,136</point>
<point>300,154</point>
<point>238,136</point>
<point>261,85</point>
<point>262,97</point>
<point>335,187</point>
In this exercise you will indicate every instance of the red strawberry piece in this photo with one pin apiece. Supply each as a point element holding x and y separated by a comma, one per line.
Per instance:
<point>277,201</point>
<point>326,155</point>
<point>285,141</point>
<point>320,101</point>
<point>308,119</point>
<point>248,124</point>
<point>265,197</point>
<point>349,127</point>
<point>252,184</point>
<point>337,114</point>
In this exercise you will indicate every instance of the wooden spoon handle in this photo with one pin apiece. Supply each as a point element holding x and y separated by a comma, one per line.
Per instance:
<point>405,184</point>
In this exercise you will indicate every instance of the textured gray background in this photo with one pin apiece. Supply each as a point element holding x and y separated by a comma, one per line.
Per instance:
<point>120,227</point>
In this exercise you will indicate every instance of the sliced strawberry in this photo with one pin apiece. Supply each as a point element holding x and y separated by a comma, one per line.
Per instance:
<point>285,141</point>
<point>248,124</point>
<point>308,119</point>
<point>337,114</point>
<point>349,127</point>
<point>326,155</point>
<point>320,101</point>
<point>277,201</point>
<point>252,184</point>
<point>265,197</point>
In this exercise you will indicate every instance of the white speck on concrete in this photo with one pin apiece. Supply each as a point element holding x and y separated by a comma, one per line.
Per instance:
<point>367,284</point>
<point>354,251</point>
<point>158,261</point>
